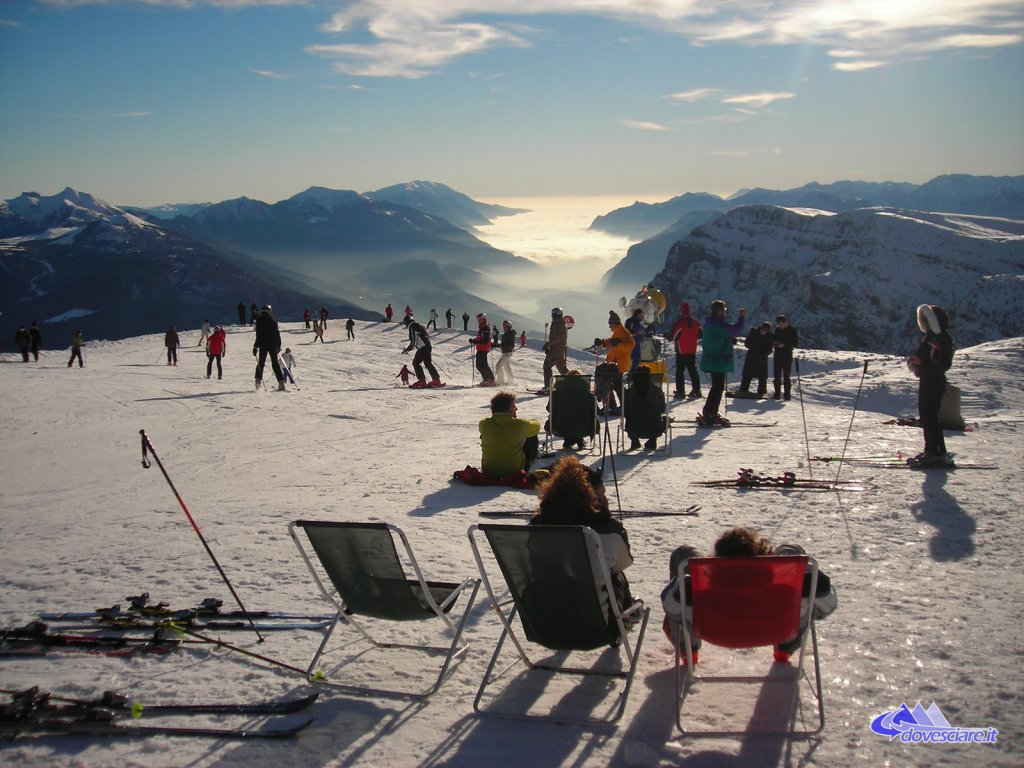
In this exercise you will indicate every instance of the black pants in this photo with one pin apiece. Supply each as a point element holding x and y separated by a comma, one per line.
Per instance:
<point>756,367</point>
<point>483,366</point>
<point>76,353</point>
<point>687,364</point>
<point>531,448</point>
<point>263,352</point>
<point>35,352</point>
<point>929,399</point>
<point>714,400</point>
<point>422,360</point>
<point>172,355</point>
<point>209,365</point>
<point>24,354</point>
<point>783,365</point>
<point>551,362</point>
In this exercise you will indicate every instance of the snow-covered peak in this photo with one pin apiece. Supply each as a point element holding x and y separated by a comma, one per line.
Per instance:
<point>69,206</point>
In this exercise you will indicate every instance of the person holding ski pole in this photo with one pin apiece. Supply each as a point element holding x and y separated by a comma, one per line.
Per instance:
<point>503,370</point>
<point>419,340</point>
<point>482,342</point>
<point>717,358</point>
<point>555,348</point>
<point>172,343</point>
<point>287,363</point>
<point>267,343</point>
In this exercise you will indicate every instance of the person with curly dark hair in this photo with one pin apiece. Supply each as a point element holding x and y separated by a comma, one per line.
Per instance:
<point>742,542</point>
<point>573,494</point>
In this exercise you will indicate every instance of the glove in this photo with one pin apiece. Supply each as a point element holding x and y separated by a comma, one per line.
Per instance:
<point>254,352</point>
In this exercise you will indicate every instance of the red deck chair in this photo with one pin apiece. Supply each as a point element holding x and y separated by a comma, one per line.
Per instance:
<point>748,602</point>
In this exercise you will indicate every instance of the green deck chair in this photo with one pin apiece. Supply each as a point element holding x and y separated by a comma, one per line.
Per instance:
<point>555,576</point>
<point>367,578</point>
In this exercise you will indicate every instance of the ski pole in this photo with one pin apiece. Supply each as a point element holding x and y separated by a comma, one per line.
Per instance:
<point>852,417</point>
<point>803,416</point>
<point>147,447</point>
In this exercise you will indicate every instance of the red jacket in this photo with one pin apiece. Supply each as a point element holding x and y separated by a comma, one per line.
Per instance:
<point>686,332</point>
<point>218,342</point>
<point>482,339</point>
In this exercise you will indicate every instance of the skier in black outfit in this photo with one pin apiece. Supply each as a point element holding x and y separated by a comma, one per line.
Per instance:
<point>22,340</point>
<point>784,339</point>
<point>933,358</point>
<point>37,339</point>
<point>241,313</point>
<point>268,342</point>
<point>759,345</point>
<point>419,340</point>
<point>172,343</point>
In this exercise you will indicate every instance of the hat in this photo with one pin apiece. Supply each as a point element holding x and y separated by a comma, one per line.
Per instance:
<point>556,312</point>
<point>482,318</point>
<point>266,307</point>
<point>613,318</point>
<point>506,324</point>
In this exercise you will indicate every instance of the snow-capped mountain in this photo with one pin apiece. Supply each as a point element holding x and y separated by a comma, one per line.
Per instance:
<point>1001,196</point>
<point>73,261</point>
<point>851,280</point>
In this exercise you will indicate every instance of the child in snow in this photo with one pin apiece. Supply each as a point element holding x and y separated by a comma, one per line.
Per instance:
<point>404,375</point>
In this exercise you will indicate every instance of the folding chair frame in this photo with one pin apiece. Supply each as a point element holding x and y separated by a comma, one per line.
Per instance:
<point>666,436</point>
<point>343,614</point>
<point>506,610</point>
<point>685,677</point>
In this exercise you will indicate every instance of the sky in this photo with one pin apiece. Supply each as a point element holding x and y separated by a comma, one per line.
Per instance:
<point>172,101</point>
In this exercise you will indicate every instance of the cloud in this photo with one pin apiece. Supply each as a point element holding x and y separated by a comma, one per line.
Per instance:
<point>417,38</point>
<point>9,23</point>
<point>857,66</point>
<point>697,94</point>
<point>757,100</point>
<point>641,125</point>
<point>269,74</point>
<point>132,114</point>
<point>734,153</point>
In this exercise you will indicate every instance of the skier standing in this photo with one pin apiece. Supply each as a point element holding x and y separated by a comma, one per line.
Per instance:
<point>37,339</point>
<point>759,346</point>
<point>268,342</point>
<point>482,341</point>
<point>204,333</point>
<point>216,348</point>
<point>172,343</point>
<point>635,325</point>
<point>784,340</point>
<point>685,335</point>
<point>717,358</point>
<point>22,340</point>
<point>503,370</point>
<point>349,328</point>
<point>305,317</point>
<point>449,316</point>
<point>933,358</point>
<point>388,312</point>
<point>432,321</point>
<point>556,348</point>
<point>419,340</point>
<point>465,320</point>
<point>76,349</point>
<point>241,313</point>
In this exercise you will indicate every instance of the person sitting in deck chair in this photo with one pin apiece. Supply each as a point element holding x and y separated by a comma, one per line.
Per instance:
<point>644,411</point>
<point>742,542</point>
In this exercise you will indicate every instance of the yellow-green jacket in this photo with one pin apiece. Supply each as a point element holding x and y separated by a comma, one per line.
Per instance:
<point>501,438</point>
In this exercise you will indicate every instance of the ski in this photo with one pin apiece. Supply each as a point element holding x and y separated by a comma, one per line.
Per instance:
<point>859,459</point>
<point>81,727</point>
<point>140,606</point>
<point>37,635</point>
<point>959,465</point>
<point>747,478</point>
<point>128,623</point>
<point>119,704</point>
<point>730,424</point>
<point>690,511</point>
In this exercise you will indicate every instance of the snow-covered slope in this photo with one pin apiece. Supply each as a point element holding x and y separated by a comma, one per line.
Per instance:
<point>927,565</point>
<point>851,280</point>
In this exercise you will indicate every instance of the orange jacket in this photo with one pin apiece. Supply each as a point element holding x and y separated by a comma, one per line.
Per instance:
<point>620,348</point>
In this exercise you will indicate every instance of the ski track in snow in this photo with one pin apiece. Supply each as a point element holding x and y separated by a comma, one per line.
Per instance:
<point>926,565</point>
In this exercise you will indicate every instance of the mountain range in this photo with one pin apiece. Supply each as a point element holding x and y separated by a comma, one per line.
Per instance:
<point>852,280</point>
<point>77,261</point>
<point>1001,196</point>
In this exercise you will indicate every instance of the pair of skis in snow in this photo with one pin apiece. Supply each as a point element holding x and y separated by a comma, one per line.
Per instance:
<point>690,511</point>
<point>748,479</point>
<point>37,713</point>
<point>897,462</point>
